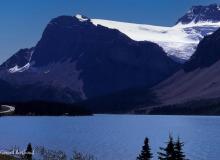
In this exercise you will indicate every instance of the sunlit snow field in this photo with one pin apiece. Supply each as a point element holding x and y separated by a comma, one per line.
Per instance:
<point>179,41</point>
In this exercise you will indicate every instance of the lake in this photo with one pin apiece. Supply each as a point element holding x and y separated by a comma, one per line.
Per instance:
<point>114,137</point>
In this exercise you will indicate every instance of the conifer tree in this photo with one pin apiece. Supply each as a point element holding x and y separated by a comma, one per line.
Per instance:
<point>178,147</point>
<point>146,151</point>
<point>167,153</point>
<point>29,152</point>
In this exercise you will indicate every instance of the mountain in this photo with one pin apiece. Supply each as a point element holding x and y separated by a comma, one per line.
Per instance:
<point>200,77</point>
<point>193,90</point>
<point>77,60</point>
<point>179,41</point>
<point>199,14</point>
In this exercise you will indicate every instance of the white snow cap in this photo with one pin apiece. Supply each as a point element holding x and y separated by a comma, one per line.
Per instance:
<point>81,18</point>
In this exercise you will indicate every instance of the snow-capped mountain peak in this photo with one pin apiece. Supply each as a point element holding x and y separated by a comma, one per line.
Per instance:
<point>198,14</point>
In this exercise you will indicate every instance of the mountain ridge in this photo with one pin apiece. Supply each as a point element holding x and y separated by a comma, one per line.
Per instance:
<point>74,54</point>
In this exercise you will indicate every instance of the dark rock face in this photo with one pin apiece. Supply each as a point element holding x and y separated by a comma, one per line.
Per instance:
<point>201,13</point>
<point>207,53</point>
<point>91,60</point>
<point>64,38</point>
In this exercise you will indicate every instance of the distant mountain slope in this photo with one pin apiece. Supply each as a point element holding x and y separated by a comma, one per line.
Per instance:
<point>200,78</point>
<point>80,60</point>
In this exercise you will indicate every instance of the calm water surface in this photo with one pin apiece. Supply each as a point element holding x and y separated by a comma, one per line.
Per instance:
<point>113,137</point>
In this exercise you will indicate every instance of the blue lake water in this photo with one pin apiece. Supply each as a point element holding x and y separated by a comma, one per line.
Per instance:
<point>114,137</point>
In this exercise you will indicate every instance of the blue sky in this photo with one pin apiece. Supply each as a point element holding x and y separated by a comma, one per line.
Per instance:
<point>23,21</point>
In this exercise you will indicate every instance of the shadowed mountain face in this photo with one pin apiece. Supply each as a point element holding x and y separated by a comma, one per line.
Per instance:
<point>207,53</point>
<point>200,78</point>
<point>85,61</point>
<point>30,92</point>
<point>201,13</point>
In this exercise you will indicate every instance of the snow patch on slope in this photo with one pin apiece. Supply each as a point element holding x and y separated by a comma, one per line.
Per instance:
<point>16,68</point>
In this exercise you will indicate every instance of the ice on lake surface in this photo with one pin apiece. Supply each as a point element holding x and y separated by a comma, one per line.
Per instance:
<point>113,137</point>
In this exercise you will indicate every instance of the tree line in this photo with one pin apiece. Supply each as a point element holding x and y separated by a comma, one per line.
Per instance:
<point>172,151</point>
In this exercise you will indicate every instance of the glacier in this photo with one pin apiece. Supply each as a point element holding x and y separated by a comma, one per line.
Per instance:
<point>179,41</point>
